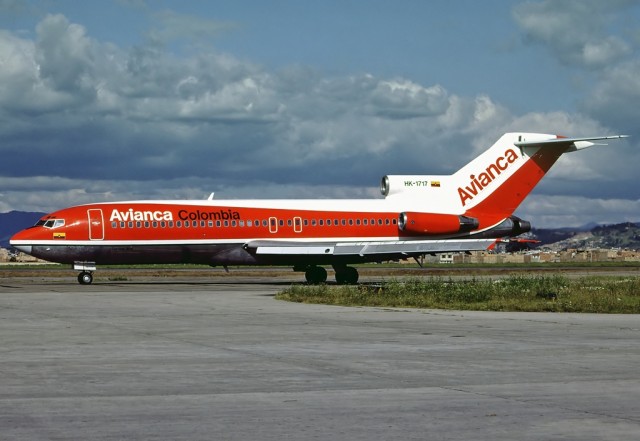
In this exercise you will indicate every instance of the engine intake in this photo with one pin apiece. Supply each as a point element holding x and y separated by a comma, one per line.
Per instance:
<point>393,185</point>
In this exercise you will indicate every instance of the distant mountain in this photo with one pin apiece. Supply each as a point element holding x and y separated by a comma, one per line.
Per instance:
<point>624,235</point>
<point>14,221</point>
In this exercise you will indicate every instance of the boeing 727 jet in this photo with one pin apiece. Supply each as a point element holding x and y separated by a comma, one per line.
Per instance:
<point>419,214</point>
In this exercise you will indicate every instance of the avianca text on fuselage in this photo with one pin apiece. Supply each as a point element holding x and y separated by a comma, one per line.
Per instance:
<point>166,215</point>
<point>478,183</point>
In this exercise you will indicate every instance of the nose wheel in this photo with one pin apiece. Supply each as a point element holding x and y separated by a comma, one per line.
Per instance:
<point>86,272</point>
<point>85,278</point>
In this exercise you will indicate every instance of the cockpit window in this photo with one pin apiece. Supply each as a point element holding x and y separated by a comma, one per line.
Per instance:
<point>51,223</point>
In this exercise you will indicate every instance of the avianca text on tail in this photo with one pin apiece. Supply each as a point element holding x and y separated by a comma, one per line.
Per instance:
<point>419,214</point>
<point>477,184</point>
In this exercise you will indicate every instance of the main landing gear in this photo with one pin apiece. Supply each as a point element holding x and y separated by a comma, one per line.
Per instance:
<point>315,275</point>
<point>345,275</point>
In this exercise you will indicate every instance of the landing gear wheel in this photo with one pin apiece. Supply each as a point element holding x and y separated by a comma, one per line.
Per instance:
<point>85,278</point>
<point>315,275</point>
<point>347,276</point>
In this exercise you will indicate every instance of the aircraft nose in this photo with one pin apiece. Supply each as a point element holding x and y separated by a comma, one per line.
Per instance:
<point>24,248</point>
<point>20,241</point>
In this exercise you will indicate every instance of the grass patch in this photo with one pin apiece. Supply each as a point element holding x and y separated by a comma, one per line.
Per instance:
<point>556,293</point>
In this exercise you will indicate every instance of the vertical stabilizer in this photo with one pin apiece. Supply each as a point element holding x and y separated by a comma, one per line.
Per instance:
<point>499,179</point>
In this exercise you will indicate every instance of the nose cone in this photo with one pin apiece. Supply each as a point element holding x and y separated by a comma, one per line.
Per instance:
<point>24,248</point>
<point>20,241</point>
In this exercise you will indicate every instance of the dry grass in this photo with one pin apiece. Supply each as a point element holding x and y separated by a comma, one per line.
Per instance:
<point>556,293</point>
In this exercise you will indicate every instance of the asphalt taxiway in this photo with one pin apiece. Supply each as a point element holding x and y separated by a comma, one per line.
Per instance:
<point>225,360</point>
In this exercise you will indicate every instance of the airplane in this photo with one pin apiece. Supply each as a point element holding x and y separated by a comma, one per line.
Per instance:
<point>419,214</point>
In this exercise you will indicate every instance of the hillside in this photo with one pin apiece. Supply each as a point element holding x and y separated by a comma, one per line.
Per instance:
<point>14,221</point>
<point>625,235</point>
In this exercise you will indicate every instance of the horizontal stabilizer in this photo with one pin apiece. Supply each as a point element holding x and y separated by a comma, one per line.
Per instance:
<point>573,144</point>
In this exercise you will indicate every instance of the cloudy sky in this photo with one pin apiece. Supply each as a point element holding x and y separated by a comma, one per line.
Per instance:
<point>152,99</point>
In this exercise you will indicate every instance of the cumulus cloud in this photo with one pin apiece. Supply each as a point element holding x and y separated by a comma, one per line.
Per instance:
<point>82,120</point>
<point>575,31</point>
<point>614,99</point>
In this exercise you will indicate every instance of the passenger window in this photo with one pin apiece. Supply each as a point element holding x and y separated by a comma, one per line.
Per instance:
<point>114,224</point>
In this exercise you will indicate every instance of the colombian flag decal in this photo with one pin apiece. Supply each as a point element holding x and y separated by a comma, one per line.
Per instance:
<point>60,235</point>
<point>435,183</point>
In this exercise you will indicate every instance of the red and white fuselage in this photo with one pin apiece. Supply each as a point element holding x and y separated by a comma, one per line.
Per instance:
<point>419,214</point>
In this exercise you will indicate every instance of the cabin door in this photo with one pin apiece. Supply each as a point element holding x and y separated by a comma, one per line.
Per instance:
<point>96,224</point>
<point>273,225</point>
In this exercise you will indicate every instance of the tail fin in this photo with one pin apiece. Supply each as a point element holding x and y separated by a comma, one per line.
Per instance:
<point>494,184</point>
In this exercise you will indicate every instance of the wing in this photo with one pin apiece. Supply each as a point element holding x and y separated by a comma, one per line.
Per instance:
<point>362,249</point>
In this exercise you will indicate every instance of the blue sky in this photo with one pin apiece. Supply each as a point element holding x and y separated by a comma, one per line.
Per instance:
<point>131,99</point>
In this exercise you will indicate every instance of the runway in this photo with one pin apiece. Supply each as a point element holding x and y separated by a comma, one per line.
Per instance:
<point>224,360</point>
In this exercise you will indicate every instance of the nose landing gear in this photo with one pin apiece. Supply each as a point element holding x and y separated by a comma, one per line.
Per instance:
<point>86,272</point>
<point>85,278</point>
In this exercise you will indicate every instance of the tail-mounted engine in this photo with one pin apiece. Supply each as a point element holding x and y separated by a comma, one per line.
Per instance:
<point>392,185</point>
<point>431,224</point>
<point>510,227</point>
